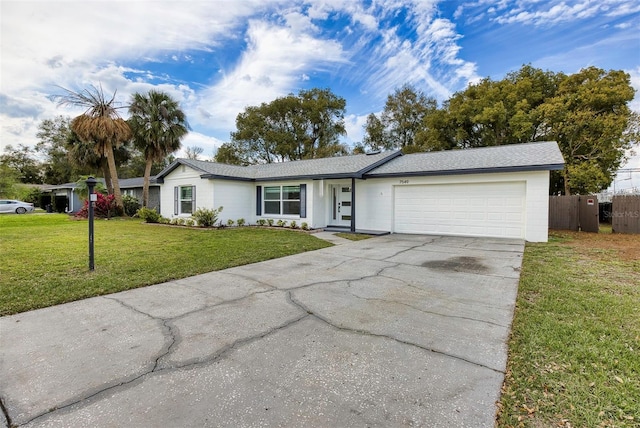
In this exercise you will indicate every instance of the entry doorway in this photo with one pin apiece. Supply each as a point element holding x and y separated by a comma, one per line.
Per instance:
<point>341,205</point>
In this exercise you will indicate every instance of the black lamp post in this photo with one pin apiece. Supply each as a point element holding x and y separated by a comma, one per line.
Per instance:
<point>91,182</point>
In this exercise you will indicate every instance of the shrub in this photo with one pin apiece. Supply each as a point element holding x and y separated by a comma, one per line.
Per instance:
<point>149,215</point>
<point>282,223</point>
<point>189,222</point>
<point>131,205</point>
<point>230,222</point>
<point>104,207</point>
<point>261,222</point>
<point>270,221</point>
<point>206,217</point>
<point>240,222</point>
<point>293,224</point>
<point>304,225</point>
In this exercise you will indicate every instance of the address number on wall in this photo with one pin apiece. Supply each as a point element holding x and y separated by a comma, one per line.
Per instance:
<point>404,181</point>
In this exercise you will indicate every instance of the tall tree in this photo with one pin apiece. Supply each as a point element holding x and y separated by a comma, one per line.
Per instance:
<point>586,113</point>
<point>193,152</point>
<point>158,126</point>
<point>100,125</point>
<point>54,135</point>
<point>588,117</point>
<point>22,161</point>
<point>401,120</point>
<point>304,126</point>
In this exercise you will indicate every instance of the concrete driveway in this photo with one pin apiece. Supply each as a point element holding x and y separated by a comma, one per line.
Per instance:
<point>399,330</point>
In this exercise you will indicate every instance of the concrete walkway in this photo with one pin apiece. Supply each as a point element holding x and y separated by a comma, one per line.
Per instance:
<point>391,331</point>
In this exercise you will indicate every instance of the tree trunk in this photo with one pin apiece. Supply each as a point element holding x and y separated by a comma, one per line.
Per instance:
<point>107,176</point>
<point>114,178</point>
<point>145,185</point>
<point>567,188</point>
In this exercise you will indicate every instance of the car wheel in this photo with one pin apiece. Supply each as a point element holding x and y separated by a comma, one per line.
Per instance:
<point>21,210</point>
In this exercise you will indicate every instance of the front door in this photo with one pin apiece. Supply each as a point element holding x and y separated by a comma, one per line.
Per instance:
<point>341,206</point>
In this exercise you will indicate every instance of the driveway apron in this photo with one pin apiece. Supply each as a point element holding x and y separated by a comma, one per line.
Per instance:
<point>398,330</point>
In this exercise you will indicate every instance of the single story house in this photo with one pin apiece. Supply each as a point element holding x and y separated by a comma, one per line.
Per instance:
<point>488,192</point>
<point>64,198</point>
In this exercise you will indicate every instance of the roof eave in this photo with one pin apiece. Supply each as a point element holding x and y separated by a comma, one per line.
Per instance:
<point>525,168</point>
<point>226,177</point>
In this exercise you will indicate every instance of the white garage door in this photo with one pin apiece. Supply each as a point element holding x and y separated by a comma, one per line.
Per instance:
<point>471,209</point>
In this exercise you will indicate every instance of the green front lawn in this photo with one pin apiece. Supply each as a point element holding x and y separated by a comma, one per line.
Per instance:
<point>44,257</point>
<point>574,354</point>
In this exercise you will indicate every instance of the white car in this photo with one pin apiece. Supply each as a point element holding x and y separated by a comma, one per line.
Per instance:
<point>13,206</point>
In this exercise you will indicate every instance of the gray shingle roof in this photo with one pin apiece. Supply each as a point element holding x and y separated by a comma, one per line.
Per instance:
<point>342,166</point>
<point>128,183</point>
<point>515,157</point>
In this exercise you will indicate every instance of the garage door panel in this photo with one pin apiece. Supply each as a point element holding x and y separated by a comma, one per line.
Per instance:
<point>474,209</point>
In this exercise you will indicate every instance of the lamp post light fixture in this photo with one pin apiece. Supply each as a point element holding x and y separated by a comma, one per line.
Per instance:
<point>91,182</point>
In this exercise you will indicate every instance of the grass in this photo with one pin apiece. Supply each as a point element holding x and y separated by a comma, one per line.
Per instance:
<point>574,353</point>
<point>353,236</point>
<point>44,258</point>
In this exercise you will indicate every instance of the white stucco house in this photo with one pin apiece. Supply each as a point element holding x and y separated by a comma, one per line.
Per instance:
<point>489,192</point>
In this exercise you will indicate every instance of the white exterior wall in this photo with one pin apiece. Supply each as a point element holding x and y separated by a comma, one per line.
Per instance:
<point>375,199</point>
<point>184,176</point>
<point>237,199</point>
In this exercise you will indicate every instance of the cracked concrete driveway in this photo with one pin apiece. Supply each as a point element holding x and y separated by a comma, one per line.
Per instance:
<point>400,330</point>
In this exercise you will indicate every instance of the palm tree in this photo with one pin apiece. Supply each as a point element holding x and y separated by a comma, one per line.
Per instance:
<point>101,125</point>
<point>158,125</point>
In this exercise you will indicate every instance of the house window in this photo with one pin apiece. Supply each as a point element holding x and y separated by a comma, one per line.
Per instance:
<point>184,199</point>
<point>282,200</point>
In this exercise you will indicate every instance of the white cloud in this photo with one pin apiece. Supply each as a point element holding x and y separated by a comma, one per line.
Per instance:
<point>195,139</point>
<point>270,67</point>
<point>635,82</point>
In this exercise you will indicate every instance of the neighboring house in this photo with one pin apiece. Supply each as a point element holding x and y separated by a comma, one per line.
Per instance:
<point>490,192</point>
<point>133,187</point>
<point>64,198</point>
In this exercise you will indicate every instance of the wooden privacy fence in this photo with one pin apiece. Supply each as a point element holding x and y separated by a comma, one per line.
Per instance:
<point>625,214</point>
<point>574,212</point>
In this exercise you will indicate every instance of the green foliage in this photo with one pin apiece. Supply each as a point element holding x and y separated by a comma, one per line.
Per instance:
<point>21,160</point>
<point>30,194</point>
<point>281,223</point>
<point>8,181</point>
<point>586,113</point>
<point>240,222</point>
<point>158,125</point>
<point>83,190</point>
<point>293,224</point>
<point>304,225</point>
<point>206,217</point>
<point>58,167</point>
<point>400,122</point>
<point>304,126</point>
<point>230,222</point>
<point>261,222</point>
<point>270,221</point>
<point>131,205</point>
<point>189,222</point>
<point>149,215</point>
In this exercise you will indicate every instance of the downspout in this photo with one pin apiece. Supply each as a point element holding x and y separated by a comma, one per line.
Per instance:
<point>353,205</point>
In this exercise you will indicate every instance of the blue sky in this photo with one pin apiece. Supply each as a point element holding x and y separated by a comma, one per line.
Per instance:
<point>217,57</point>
